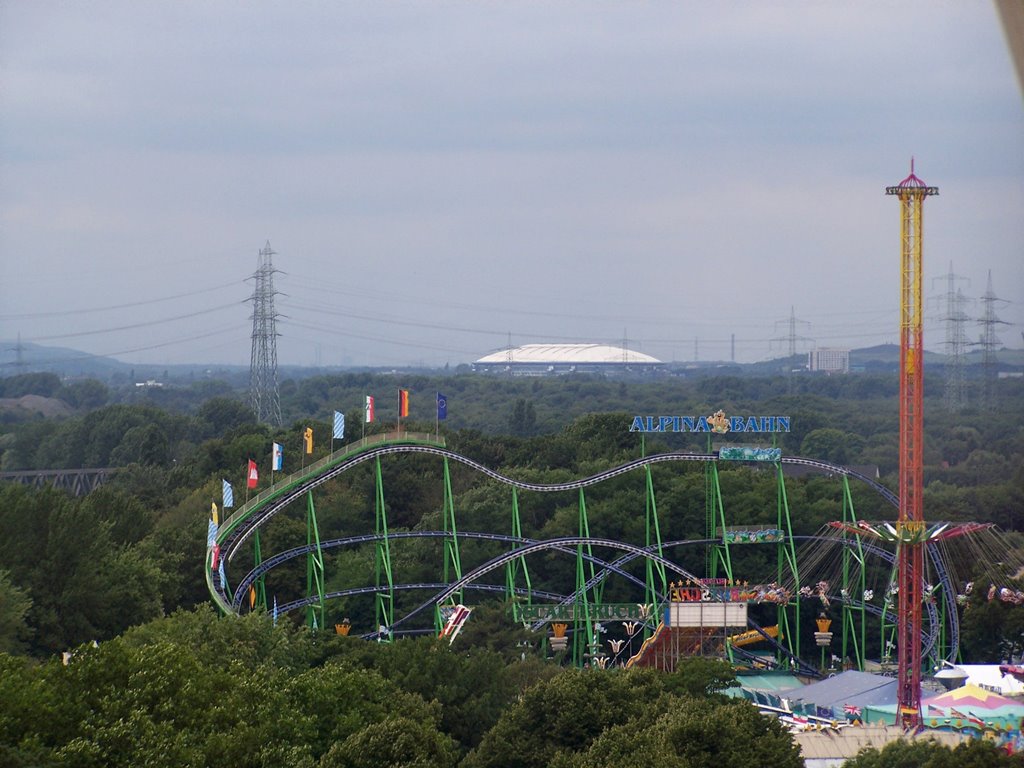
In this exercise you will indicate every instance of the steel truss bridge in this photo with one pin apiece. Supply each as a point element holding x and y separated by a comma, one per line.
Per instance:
<point>240,533</point>
<point>77,482</point>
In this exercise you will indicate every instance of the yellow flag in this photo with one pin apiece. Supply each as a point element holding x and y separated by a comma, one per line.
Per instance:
<point>213,511</point>
<point>309,439</point>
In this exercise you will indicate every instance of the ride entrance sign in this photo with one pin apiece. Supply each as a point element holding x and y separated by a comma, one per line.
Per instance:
<point>718,423</point>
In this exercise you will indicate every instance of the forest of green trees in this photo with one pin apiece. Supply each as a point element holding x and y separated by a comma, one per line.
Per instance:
<point>122,567</point>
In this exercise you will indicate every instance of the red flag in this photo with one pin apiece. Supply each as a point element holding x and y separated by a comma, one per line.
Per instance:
<point>253,476</point>
<point>403,403</point>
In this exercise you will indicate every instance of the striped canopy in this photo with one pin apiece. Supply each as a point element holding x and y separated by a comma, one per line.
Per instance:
<point>972,697</point>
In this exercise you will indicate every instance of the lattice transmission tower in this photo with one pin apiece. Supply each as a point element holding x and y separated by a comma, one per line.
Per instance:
<point>955,318</point>
<point>988,343</point>
<point>791,338</point>
<point>264,396</point>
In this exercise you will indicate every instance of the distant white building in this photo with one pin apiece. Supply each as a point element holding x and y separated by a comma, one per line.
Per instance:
<point>554,359</point>
<point>829,360</point>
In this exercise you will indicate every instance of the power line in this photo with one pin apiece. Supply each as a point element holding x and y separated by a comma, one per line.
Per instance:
<point>94,310</point>
<point>134,326</point>
<point>128,351</point>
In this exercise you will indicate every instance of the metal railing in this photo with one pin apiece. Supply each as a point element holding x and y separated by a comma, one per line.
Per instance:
<point>309,470</point>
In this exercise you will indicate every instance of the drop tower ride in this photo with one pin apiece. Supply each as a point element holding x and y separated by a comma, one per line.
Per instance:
<point>911,193</point>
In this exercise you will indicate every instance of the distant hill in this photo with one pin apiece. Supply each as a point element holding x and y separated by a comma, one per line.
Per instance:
<point>26,357</point>
<point>23,357</point>
<point>1007,359</point>
<point>33,405</point>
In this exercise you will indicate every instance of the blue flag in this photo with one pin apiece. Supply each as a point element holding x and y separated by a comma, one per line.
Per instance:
<point>275,610</point>
<point>339,426</point>
<point>229,495</point>
<point>442,407</point>
<point>278,457</point>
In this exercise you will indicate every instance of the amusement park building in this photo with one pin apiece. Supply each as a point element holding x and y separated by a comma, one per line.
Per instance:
<point>554,359</point>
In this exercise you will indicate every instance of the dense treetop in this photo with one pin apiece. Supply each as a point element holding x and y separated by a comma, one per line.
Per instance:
<point>170,684</point>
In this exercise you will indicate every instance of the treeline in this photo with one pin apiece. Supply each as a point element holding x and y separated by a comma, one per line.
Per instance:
<point>860,413</point>
<point>192,690</point>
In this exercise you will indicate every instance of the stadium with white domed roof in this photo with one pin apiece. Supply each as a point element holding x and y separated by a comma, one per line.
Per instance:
<point>554,359</point>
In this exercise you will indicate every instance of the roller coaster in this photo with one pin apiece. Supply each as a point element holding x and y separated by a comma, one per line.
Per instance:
<point>653,588</point>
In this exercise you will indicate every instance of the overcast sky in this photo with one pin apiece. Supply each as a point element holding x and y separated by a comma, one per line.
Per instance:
<point>438,179</point>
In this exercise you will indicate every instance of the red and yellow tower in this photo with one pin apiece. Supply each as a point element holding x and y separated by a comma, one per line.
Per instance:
<point>910,526</point>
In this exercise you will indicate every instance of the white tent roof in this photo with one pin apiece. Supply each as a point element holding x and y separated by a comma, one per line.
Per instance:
<point>568,354</point>
<point>988,676</point>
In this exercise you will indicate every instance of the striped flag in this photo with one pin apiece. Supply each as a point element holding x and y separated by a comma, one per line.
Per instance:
<point>253,475</point>
<point>275,610</point>
<point>223,576</point>
<point>278,457</point>
<point>442,407</point>
<point>339,426</point>
<point>369,409</point>
<point>228,494</point>
<point>403,403</point>
<point>211,534</point>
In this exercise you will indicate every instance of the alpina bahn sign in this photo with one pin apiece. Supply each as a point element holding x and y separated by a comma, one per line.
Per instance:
<point>718,423</point>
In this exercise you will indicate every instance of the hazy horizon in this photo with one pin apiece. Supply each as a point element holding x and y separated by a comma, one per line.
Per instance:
<point>441,179</point>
